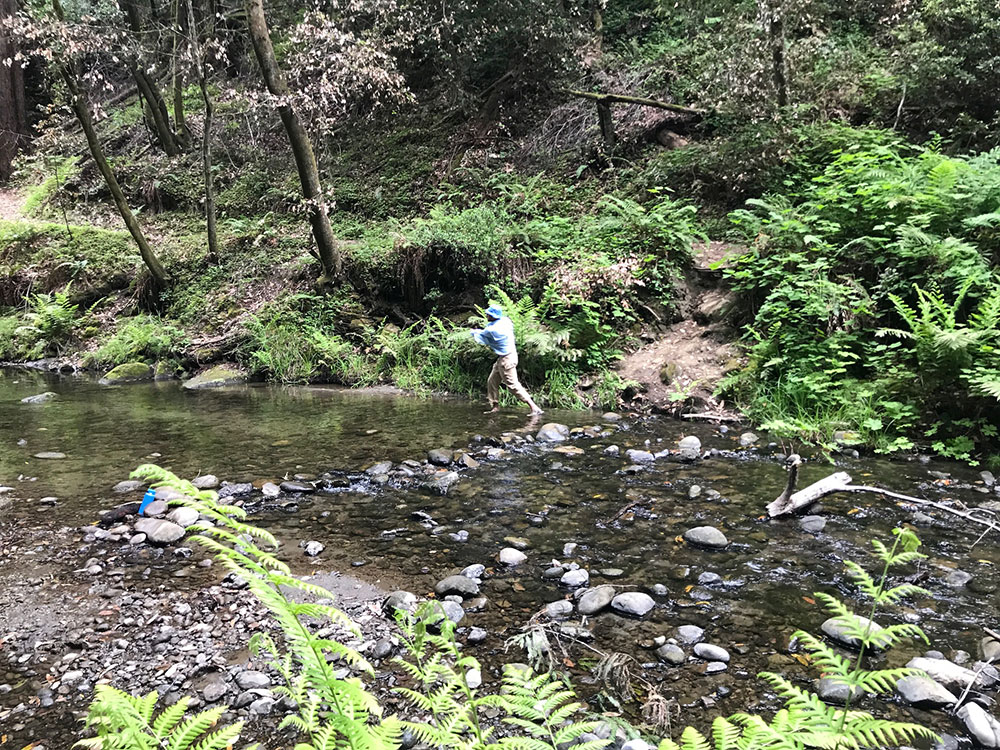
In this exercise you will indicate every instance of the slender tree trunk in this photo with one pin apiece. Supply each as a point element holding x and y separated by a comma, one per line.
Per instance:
<point>607,123</point>
<point>148,87</point>
<point>206,136</point>
<point>183,134</point>
<point>81,107</point>
<point>305,158</point>
<point>13,120</point>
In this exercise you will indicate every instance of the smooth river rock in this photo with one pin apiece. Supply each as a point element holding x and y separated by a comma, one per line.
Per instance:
<point>710,652</point>
<point>639,456</point>
<point>947,673</point>
<point>575,578</point>
<point>690,634</point>
<point>216,377</point>
<point>184,516</point>
<point>559,610</point>
<point>595,599</point>
<point>159,531</point>
<point>50,455</point>
<point>981,725</point>
<point>633,603</point>
<point>130,372</point>
<point>552,432</point>
<point>457,584</point>
<point>689,447</point>
<point>671,653</point>
<point>440,456</point>
<point>706,536</point>
<point>128,485</point>
<point>834,629</point>
<point>924,693</point>
<point>206,482</point>
<point>511,556</point>
<point>40,398</point>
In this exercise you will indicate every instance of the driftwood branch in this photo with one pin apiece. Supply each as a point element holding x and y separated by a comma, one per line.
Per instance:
<point>841,482</point>
<point>625,99</point>
<point>711,416</point>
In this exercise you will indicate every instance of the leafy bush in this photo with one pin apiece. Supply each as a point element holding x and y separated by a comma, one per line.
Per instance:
<point>143,337</point>
<point>48,324</point>
<point>888,239</point>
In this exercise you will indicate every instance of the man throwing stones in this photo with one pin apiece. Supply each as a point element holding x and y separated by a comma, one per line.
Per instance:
<point>498,335</point>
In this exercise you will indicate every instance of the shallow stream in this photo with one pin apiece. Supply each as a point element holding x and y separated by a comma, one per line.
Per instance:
<point>628,524</point>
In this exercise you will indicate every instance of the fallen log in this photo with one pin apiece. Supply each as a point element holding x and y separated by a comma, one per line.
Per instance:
<point>841,482</point>
<point>789,502</point>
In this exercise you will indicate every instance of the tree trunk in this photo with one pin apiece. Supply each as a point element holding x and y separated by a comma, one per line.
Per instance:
<point>778,76</point>
<point>607,125</point>
<point>206,136</point>
<point>81,107</point>
<point>150,90</point>
<point>183,134</point>
<point>13,120</point>
<point>305,158</point>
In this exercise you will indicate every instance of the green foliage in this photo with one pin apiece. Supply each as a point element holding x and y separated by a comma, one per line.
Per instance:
<point>806,721</point>
<point>126,722</point>
<point>142,337</point>
<point>892,241</point>
<point>48,324</point>
<point>38,198</point>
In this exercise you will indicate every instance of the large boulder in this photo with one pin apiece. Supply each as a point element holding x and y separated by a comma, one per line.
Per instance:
<point>924,693</point>
<point>218,376</point>
<point>553,432</point>
<point>949,674</point>
<point>130,372</point>
<point>159,531</point>
<point>459,584</point>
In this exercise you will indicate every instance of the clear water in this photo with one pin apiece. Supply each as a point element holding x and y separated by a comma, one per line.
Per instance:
<point>630,522</point>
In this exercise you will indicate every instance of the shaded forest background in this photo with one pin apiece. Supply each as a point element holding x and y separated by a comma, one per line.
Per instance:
<point>329,191</point>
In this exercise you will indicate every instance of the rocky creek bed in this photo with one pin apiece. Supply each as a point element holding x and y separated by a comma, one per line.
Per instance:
<point>611,535</point>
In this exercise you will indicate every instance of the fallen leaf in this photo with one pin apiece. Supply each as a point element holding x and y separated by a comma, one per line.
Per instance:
<point>852,511</point>
<point>808,600</point>
<point>679,539</point>
<point>568,662</point>
<point>803,660</point>
<point>688,587</point>
<point>517,586</point>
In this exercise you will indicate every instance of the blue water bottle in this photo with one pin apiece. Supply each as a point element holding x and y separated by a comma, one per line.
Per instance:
<point>149,497</point>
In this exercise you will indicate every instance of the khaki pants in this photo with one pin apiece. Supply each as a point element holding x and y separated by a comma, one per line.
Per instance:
<point>505,371</point>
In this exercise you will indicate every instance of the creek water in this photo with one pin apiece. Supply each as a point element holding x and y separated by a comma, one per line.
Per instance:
<point>627,524</point>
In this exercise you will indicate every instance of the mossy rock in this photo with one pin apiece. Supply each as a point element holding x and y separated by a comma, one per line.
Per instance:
<point>130,372</point>
<point>669,373</point>
<point>216,377</point>
<point>166,369</point>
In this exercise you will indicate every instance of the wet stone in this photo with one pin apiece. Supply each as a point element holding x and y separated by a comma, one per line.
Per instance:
<point>812,524</point>
<point>381,649</point>
<point>50,455</point>
<point>553,432</point>
<point>990,648</point>
<point>981,725</point>
<point>511,556</point>
<point>476,570</point>
<point>690,634</point>
<point>836,692</point>
<point>184,516</point>
<point>158,531</point>
<point>251,679</point>
<point>694,491</point>
<point>835,630</point>
<point>440,456</point>
<point>594,600</point>
<point>155,508</point>
<point>270,489</point>
<point>559,610</point>
<point>611,572</point>
<point>575,578</point>
<point>671,653</point>
<point>658,589</point>
<point>297,486</point>
<point>206,482</point>
<point>714,667</point>
<point>924,693</point>
<point>312,548</point>
<point>710,652</point>
<point>747,439</point>
<point>633,603</point>
<point>399,600</point>
<point>128,485</point>
<point>477,635</point>
<point>639,456</point>
<point>948,674</point>
<point>458,584</point>
<point>376,469</point>
<point>235,489</point>
<point>707,578</point>
<point>39,398</point>
<point>706,536</point>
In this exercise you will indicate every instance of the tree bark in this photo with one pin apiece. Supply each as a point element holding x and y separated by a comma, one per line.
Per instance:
<point>13,119</point>
<point>302,150</point>
<point>607,124</point>
<point>206,136</point>
<point>183,134</point>
<point>81,108</point>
